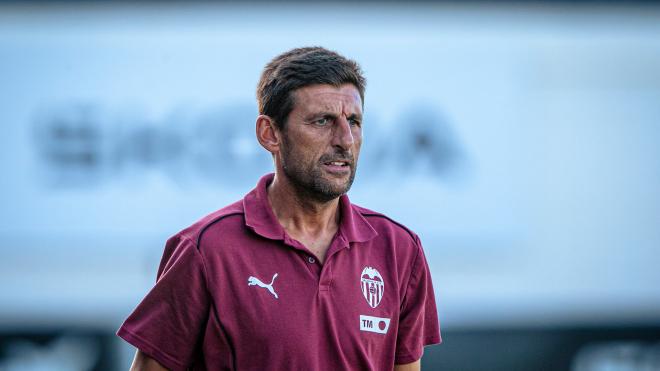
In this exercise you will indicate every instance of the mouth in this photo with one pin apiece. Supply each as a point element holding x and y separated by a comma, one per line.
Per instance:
<point>337,163</point>
<point>338,166</point>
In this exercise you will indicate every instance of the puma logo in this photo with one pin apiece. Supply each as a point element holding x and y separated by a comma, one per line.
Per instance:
<point>255,281</point>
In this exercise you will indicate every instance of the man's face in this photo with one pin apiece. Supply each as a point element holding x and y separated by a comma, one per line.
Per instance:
<point>321,140</point>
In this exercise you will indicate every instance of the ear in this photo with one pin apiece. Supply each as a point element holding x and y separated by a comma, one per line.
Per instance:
<point>268,134</point>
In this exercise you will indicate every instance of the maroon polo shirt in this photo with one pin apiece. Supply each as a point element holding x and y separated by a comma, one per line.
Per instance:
<point>234,291</point>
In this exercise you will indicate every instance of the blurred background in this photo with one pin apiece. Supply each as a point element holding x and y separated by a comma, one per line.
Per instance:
<point>519,140</point>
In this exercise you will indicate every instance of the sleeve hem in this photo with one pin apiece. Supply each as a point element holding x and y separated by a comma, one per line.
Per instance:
<point>407,358</point>
<point>402,359</point>
<point>431,340</point>
<point>152,351</point>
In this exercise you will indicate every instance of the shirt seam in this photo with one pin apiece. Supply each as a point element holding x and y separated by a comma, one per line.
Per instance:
<point>410,277</point>
<point>377,215</point>
<point>201,257</point>
<point>208,285</point>
<point>210,224</point>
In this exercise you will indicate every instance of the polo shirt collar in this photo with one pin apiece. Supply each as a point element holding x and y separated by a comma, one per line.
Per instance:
<point>260,217</point>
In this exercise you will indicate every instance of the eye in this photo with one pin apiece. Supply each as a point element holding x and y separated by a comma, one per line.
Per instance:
<point>322,121</point>
<point>355,122</point>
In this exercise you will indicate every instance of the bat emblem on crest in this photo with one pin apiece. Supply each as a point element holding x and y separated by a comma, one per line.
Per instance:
<point>372,286</point>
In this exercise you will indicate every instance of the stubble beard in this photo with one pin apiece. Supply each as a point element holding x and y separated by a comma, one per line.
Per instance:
<point>309,181</point>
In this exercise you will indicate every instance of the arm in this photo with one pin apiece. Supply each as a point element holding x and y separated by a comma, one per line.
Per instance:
<point>143,362</point>
<point>418,319</point>
<point>180,296</point>
<point>414,366</point>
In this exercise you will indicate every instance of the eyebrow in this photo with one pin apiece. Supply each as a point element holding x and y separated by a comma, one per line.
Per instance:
<point>331,115</point>
<point>316,115</point>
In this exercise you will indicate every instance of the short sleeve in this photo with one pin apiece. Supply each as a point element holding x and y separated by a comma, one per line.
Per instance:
<point>168,322</point>
<point>418,321</point>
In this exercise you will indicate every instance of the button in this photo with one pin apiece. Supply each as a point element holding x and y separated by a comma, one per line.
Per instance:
<point>311,260</point>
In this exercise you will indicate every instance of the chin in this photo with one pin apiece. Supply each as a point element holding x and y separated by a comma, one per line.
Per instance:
<point>326,191</point>
<point>340,189</point>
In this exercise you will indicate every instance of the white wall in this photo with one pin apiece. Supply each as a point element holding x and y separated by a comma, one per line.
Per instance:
<point>544,208</point>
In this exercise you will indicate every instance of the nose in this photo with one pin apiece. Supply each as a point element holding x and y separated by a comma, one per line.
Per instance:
<point>343,135</point>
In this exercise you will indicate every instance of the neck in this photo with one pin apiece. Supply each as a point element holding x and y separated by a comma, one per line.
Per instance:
<point>299,215</point>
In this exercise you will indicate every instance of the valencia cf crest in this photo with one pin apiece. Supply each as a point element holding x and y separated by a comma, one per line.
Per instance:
<point>372,286</point>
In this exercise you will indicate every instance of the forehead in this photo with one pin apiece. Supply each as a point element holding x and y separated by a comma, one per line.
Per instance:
<point>345,97</point>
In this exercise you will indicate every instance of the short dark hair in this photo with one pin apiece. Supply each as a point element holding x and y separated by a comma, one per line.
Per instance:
<point>298,68</point>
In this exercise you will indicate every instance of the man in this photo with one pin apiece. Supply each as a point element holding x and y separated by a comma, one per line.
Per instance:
<point>294,276</point>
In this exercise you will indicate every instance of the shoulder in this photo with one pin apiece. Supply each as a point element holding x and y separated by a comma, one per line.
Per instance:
<point>231,215</point>
<point>398,243</point>
<point>387,227</point>
<point>184,245</point>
